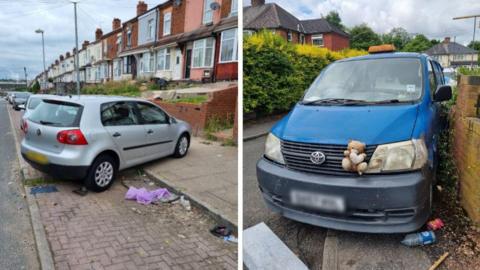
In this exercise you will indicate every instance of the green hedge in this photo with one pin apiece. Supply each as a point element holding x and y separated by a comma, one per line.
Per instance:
<point>276,73</point>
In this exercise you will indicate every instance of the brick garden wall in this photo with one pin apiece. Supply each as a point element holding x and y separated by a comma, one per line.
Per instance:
<point>467,144</point>
<point>221,104</point>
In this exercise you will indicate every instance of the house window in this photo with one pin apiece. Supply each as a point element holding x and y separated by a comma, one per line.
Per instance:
<point>163,59</point>
<point>129,37</point>
<point>151,64</point>
<point>234,9</point>
<point>167,24</point>
<point>289,36</point>
<point>203,53</point>
<point>117,66</point>
<point>317,40</point>
<point>119,43</point>
<point>229,45</point>
<point>207,12</point>
<point>151,29</point>
<point>302,38</point>
<point>127,65</point>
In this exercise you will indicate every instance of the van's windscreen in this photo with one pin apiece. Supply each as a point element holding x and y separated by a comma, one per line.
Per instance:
<point>369,80</point>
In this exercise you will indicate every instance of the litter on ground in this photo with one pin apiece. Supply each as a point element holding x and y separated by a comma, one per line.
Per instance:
<point>419,239</point>
<point>43,189</point>
<point>144,196</point>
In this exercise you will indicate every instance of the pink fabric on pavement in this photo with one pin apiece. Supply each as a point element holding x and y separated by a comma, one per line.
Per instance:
<point>144,196</point>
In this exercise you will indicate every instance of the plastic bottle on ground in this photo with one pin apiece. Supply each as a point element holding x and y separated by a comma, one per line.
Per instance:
<point>419,239</point>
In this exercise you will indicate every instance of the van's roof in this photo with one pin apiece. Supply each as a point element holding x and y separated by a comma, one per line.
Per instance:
<point>386,55</point>
<point>84,99</point>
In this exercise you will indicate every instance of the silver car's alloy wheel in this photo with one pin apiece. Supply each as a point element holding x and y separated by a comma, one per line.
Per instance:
<point>182,148</point>
<point>104,174</point>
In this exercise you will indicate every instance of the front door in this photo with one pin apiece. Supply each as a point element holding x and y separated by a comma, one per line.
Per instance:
<point>134,67</point>
<point>188,64</point>
<point>160,132</point>
<point>177,67</point>
<point>121,122</point>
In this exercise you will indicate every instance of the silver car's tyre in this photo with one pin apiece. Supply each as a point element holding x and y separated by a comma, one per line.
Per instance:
<point>183,143</point>
<point>102,173</point>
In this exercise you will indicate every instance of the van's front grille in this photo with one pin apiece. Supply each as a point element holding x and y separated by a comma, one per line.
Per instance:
<point>297,157</point>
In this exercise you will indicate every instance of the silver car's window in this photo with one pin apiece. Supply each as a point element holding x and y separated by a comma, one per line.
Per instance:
<point>118,114</point>
<point>369,80</point>
<point>33,102</point>
<point>152,114</point>
<point>22,95</point>
<point>57,113</point>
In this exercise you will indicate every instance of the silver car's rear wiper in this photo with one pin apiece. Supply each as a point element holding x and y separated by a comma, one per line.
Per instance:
<point>47,123</point>
<point>341,101</point>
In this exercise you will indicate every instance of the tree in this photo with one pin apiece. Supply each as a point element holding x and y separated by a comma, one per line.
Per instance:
<point>362,37</point>
<point>419,43</point>
<point>398,36</point>
<point>36,87</point>
<point>435,42</point>
<point>474,45</point>
<point>334,19</point>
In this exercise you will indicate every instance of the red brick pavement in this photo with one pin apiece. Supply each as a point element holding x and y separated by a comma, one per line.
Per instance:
<point>101,231</point>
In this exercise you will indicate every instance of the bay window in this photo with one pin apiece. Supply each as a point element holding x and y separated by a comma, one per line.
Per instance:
<point>163,59</point>
<point>229,46</point>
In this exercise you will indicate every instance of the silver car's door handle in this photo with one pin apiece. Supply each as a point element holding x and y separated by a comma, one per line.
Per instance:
<point>149,131</point>
<point>116,134</point>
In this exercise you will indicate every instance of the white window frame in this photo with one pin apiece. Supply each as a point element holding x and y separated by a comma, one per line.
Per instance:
<point>234,8</point>
<point>164,54</point>
<point>318,37</point>
<point>289,36</point>
<point>201,46</point>
<point>129,38</point>
<point>207,12</point>
<point>150,29</point>
<point>235,47</point>
<point>167,18</point>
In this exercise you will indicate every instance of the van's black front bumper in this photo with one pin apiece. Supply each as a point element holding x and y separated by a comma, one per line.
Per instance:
<point>59,171</point>
<point>395,203</point>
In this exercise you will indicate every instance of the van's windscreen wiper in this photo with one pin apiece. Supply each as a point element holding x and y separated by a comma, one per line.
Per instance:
<point>337,101</point>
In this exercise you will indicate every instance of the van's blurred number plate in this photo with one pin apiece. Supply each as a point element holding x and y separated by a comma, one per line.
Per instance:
<point>318,201</point>
<point>39,158</point>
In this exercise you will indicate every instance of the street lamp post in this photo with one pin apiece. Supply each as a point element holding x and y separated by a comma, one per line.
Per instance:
<point>474,28</point>
<point>76,46</point>
<point>40,31</point>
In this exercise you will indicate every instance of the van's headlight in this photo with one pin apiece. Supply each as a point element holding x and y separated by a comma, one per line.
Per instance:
<point>273,149</point>
<point>401,156</point>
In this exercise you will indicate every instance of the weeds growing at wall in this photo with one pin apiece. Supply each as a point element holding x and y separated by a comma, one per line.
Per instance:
<point>122,88</point>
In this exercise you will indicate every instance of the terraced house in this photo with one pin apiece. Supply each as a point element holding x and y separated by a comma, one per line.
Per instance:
<point>160,43</point>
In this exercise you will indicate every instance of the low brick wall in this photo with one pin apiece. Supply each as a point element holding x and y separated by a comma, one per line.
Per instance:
<point>221,104</point>
<point>467,144</point>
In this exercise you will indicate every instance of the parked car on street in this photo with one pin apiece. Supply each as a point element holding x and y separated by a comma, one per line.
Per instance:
<point>10,97</point>
<point>20,98</point>
<point>32,103</point>
<point>93,137</point>
<point>388,101</point>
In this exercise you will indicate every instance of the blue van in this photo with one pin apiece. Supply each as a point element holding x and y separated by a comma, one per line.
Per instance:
<point>388,101</point>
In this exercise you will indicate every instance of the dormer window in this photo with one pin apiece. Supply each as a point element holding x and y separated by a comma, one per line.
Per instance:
<point>167,23</point>
<point>207,12</point>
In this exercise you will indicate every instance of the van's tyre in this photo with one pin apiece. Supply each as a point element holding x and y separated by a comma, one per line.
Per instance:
<point>181,149</point>
<point>102,173</point>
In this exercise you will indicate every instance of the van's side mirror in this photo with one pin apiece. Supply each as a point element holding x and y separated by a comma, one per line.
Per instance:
<point>443,93</point>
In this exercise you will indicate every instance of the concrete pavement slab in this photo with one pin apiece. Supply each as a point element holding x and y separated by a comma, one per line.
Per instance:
<point>262,249</point>
<point>207,175</point>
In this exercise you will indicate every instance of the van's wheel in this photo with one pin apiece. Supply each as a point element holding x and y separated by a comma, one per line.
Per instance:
<point>102,173</point>
<point>182,146</point>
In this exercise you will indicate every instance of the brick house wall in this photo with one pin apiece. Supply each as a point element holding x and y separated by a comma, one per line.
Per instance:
<point>178,19</point>
<point>220,104</point>
<point>111,39</point>
<point>331,41</point>
<point>225,8</point>
<point>466,144</point>
<point>224,71</point>
<point>134,27</point>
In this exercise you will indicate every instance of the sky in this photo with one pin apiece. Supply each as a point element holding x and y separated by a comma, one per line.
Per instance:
<point>21,47</point>
<point>432,18</point>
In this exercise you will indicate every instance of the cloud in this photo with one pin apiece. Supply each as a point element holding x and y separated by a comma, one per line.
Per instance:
<point>21,47</point>
<point>432,18</point>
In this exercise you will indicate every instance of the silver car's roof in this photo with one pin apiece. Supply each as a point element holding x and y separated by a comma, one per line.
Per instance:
<point>92,99</point>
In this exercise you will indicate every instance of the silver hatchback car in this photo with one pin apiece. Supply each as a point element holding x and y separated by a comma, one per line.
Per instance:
<point>93,137</point>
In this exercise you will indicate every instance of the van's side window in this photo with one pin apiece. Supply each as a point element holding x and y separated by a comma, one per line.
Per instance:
<point>118,114</point>
<point>431,78</point>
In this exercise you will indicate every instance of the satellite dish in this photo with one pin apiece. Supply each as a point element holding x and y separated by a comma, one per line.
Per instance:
<point>214,6</point>
<point>177,3</point>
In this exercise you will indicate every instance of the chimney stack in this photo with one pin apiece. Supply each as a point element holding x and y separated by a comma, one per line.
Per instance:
<point>57,62</point>
<point>67,54</point>
<point>116,23</point>
<point>257,3</point>
<point>142,7</point>
<point>61,57</point>
<point>74,51</point>
<point>98,34</point>
<point>85,44</point>
<point>446,40</point>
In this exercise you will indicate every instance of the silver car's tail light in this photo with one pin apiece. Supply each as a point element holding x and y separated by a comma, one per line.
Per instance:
<point>73,136</point>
